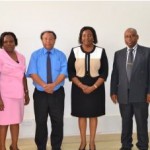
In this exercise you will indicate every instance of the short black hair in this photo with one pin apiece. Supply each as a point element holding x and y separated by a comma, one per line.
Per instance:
<point>48,31</point>
<point>93,32</point>
<point>3,36</point>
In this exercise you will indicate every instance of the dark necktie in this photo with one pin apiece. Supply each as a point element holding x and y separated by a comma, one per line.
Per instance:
<point>130,64</point>
<point>49,75</point>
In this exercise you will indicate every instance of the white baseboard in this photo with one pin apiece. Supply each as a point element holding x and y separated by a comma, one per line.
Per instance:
<point>106,125</point>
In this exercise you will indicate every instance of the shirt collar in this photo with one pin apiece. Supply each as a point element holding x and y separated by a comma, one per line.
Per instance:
<point>45,50</point>
<point>135,48</point>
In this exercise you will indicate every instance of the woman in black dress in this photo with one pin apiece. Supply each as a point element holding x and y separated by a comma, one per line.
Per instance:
<point>88,70</point>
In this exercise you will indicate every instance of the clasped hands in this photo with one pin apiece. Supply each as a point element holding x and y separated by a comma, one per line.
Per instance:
<point>87,89</point>
<point>49,88</point>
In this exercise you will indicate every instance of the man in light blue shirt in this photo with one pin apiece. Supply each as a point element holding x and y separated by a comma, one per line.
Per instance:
<point>48,70</point>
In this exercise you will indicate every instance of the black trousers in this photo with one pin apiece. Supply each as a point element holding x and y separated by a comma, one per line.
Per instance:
<point>140,111</point>
<point>49,105</point>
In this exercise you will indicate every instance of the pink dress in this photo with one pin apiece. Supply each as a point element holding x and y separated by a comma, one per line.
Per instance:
<point>11,88</point>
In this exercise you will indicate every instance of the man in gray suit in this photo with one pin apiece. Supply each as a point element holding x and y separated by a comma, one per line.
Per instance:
<point>130,87</point>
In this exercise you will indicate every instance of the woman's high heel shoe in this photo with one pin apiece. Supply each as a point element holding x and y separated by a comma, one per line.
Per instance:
<point>82,148</point>
<point>91,149</point>
<point>11,148</point>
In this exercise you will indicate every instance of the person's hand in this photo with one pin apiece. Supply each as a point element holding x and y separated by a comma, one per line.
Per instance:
<point>49,88</point>
<point>114,98</point>
<point>83,87</point>
<point>27,99</point>
<point>89,89</point>
<point>148,98</point>
<point>1,105</point>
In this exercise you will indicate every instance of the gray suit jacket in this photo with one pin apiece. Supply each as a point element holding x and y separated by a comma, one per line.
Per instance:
<point>139,85</point>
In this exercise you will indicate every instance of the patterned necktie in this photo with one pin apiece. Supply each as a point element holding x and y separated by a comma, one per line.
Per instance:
<point>49,74</point>
<point>130,64</point>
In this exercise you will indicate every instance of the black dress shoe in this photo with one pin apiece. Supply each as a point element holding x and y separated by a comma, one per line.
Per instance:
<point>125,148</point>
<point>139,148</point>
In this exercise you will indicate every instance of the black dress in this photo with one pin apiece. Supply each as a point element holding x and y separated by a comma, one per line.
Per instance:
<point>87,67</point>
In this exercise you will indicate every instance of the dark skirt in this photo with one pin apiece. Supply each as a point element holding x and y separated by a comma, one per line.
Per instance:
<point>87,105</point>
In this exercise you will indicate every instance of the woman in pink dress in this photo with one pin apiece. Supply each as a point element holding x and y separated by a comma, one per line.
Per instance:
<point>13,89</point>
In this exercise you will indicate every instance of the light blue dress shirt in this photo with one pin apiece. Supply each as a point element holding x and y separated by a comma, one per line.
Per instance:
<point>37,65</point>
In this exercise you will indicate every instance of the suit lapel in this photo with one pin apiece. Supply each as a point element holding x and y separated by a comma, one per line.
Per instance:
<point>123,60</point>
